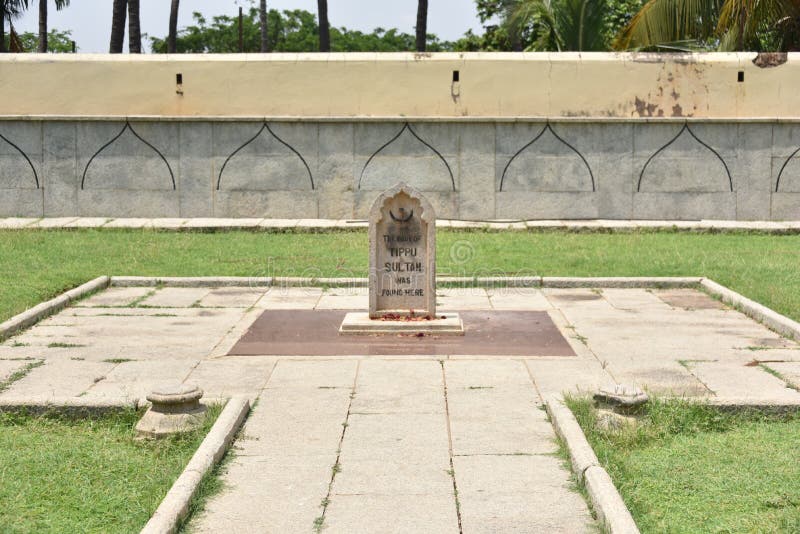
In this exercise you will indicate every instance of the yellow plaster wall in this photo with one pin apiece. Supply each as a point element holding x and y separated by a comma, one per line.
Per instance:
<point>320,86</point>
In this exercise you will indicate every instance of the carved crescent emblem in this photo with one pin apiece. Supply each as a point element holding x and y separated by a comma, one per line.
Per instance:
<point>401,220</point>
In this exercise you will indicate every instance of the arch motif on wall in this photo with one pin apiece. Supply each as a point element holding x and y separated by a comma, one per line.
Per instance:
<point>685,128</point>
<point>265,126</point>
<point>785,163</point>
<point>140,138</point>
<point>407,127</point>
<point>24,155</point>
<point>546,128</point>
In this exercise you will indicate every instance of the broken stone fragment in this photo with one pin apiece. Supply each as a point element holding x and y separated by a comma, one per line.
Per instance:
<point>622,395</point>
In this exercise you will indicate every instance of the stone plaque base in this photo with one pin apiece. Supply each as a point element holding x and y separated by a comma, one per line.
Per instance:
<point>359,323</point>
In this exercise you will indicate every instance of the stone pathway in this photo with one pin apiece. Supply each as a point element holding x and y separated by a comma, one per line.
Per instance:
<point>386,445</point>
<point>381,444</point>
<point>186,223</point>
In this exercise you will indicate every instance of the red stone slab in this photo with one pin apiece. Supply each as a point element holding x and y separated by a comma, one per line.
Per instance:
<point>486,333</point>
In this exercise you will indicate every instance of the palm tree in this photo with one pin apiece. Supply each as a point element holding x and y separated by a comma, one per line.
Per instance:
<point>9,9</point>
<point>324,27</point>
<point>118,19</point>
<point>60,4</point>
<point>560,25</point>
<point>721,24</point>
<point>172,38</point>
<point>422,25</point>
<point>262,20</point>
<point>134,28</point>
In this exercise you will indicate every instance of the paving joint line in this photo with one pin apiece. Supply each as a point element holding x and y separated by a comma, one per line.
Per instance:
<point>450,448</point>
<point>320,521</point>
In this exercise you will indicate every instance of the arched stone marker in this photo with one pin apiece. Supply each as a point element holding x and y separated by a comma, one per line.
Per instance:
<point>402,269</point>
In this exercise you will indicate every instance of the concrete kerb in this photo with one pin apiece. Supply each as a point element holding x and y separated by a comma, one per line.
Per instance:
<point>70,406</point>
<point>190,281</point>
<point>175,506</point>
<point>606,500</point>
<point>33,315</point>
<point>758,312</point>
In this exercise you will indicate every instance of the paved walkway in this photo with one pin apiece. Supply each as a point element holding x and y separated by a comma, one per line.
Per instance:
<point>202,223</point>
<point>412,444</point>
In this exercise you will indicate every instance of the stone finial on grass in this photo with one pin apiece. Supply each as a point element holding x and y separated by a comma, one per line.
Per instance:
<point>175,408</point>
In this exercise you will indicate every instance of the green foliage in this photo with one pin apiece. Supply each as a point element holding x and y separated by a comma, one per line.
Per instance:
<point>287,31</point>
<point>689,467</point>
<point>59,42</point>
<point>553,25</point>
<point>62,474</point>
<point>763,25</point>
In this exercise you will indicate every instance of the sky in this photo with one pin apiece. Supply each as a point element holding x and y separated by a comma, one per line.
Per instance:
<point>90,20</point>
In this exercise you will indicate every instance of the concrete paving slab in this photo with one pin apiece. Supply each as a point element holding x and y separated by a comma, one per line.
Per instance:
<point>201,222</point>
<point>128,223</point>
<point>557,512</point>
<point>115,296</point>
<point>168,223</point>
<point>278,432</point>
<point>232,297</point>
<point>9,367</point>
<point>486,403</point>
<point>688,299</point>
<point>355,514</point>
<point>555,377</point>
<point>742,382</point>
<point>634,299</point>
<point>53,222</point>
<point>290,298</point>
<point>381,375</point>
<point>131,380</point>
<point>396,438</point>
<point>399,401</point>
<point>303,404</point>
<point>789,371</point>
<point>505,436</point>
<point>232,376</point>
<point>278,223</point>
<point>175,297</point>
<point>313,374</point>
<point>15,223</point>
<point>344,298</point>
<point>486,373</point>
<point>87,222</point>
<point>267,494</point>
<point>457,299</point>
<point>387,477</point>
<point>518,298</point>
<point>59,379</point>
<point>499,475</point>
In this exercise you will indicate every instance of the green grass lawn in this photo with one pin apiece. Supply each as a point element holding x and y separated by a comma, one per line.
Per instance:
<point>690,468</point>
<point>65,475</point>
<point>36,265</point>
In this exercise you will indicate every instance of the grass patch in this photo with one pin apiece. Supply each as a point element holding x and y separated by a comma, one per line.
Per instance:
<point>689,467</point>
<point>36,266</point>
<point>62,345</point>
<point>118,360</point>
<point>89,475</point>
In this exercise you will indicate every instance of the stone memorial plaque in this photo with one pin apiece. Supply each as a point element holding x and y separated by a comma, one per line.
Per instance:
<point>402,255</point>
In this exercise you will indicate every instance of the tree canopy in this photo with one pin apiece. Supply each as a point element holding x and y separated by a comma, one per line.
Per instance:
<point>293,30</point>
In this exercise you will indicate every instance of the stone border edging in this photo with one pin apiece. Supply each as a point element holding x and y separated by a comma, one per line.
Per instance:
<point>606,500</point>
<point>774,320</point>
<point>66,405</point>
<point>175,505</point>
<point>222,224</point>
<point>190,281</point>
<point>31,316</point>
